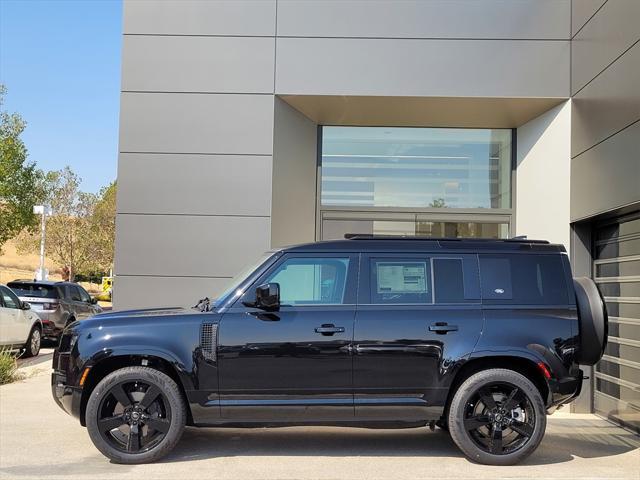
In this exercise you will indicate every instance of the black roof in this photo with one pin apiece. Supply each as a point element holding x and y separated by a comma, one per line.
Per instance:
<point>381,243</point>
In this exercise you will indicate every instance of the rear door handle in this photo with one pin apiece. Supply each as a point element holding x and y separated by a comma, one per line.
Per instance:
<point>442,328</point>
<point>329,329</point>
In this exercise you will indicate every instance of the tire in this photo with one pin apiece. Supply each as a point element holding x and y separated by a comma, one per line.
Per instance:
<point>32,347</point>
<point>593,321</point>
<point>471,441</point>
<point>102,395</point>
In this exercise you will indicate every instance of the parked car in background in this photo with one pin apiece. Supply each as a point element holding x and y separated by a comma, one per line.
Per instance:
<point>481,337</point>
<point>20,327</point>
<point>57,303</point>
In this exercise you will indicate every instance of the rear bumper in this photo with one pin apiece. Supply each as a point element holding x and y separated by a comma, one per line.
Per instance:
<point>564,390</point>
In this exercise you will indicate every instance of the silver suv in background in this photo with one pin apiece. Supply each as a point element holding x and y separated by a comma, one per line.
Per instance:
<point>56,303</point>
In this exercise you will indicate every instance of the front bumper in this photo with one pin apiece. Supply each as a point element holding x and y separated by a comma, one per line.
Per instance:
<point>68,398</point>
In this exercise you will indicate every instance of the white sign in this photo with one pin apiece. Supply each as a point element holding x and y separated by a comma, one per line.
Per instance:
<point>402,278</point>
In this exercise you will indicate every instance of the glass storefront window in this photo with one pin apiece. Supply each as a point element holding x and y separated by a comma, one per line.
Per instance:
<point>335,229</point>
<point>416,167</point>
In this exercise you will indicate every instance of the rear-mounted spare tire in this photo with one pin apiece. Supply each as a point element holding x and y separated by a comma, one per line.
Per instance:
<point>594,321</point>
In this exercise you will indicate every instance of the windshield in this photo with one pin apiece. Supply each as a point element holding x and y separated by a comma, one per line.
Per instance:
<point>236,281</point>
<point>33,290</point>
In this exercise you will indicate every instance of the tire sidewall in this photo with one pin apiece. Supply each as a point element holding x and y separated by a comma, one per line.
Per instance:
<point>27,348</point>
<point>456,416</point>
<point>148,375</point>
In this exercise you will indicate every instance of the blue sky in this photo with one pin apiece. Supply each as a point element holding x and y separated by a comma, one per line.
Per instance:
<point>60,62</point>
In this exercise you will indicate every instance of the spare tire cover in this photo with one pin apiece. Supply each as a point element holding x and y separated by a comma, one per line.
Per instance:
<point>594,322</point>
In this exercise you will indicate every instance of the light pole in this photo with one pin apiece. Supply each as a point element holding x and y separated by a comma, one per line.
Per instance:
<point>45,211</point>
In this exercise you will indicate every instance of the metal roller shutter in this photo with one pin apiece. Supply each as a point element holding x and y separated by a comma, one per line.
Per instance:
<point>616,270</point>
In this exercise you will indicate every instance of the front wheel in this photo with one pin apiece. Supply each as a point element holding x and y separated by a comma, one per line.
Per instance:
<point>136,415</point>
<point>497,417</point>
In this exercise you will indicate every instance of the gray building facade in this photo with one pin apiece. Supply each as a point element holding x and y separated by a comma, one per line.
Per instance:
<point>250,124</point>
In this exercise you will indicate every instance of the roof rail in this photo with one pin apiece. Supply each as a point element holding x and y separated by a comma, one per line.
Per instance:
<point>368,236</point>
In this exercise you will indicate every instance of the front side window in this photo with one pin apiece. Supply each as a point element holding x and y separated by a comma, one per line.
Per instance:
<point>10,300</point>
<point>84,295</point>
<point>311,281</point>
<point>523,279</point>
<point>400,281</point>
<point>74,293</point>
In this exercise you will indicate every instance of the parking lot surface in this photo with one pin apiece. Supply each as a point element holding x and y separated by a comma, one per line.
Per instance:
<point>39,441</point>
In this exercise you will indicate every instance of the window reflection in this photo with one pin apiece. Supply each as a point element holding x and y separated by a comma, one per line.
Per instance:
<point>416,167</point>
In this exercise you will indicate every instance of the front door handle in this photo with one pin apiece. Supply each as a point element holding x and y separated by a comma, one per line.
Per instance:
<point>329,329</point>
<point>442,327</point>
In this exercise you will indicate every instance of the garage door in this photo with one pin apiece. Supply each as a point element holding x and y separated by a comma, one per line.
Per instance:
<point>616,270</point>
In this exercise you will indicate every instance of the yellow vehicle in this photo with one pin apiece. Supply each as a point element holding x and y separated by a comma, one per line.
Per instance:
<point>107,290</point>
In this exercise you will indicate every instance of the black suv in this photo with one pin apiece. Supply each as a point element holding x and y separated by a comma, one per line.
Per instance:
<point>480,337</point>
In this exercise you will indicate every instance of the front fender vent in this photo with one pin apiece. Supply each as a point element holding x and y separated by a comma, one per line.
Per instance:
<point>209,341</point>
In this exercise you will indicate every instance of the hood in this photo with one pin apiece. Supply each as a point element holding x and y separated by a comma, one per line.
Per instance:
<point>146,312</point>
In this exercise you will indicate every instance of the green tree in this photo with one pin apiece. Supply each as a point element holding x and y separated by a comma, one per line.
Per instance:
<point>69,240</point>
<point>102,228</point>
<point>19,190</point>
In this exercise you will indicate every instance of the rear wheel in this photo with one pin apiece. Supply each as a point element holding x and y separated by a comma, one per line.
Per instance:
<point>497,417</point>
<point>32,347</point>
<point>136,415</point>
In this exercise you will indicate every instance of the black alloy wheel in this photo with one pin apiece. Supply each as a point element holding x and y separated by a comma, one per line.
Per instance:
<point>500,418</point>
<point>136,415</point>
<point>497,417</point>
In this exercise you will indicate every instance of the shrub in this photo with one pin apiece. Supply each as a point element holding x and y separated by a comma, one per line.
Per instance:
<point>8,367</point>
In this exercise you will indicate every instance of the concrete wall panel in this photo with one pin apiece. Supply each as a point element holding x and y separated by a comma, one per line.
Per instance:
<point>614,29</point>
<point>183,245</point>
<point>422,67</point>
<point>194,184</point>
<point>608,104</point>
<point>197,17</point>
<point>149,292</point>
<point>542,203</point>
<point>533,19</point>
<point>294,177</point>
<point>197,64</point>
<point>607,176</point>
<point>582,11</point>
<point>196,123</point>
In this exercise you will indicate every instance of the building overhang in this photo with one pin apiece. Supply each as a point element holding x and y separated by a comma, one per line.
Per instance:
<point>471,112</point>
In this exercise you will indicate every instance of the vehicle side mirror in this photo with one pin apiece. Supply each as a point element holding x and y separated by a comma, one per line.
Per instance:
<point>94,300</point>
<point>25,306</point>
<point>267,297</point>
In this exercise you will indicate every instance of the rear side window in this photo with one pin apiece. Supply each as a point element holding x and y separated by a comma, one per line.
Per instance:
<point>448,277</point>
<point>400,281</point>
<point>33,290</point>
<point>523,279</point>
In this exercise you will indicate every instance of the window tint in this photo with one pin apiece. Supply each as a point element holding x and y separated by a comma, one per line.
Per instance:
<point>74,293</point>
<point>10,300</point>
<point>448,280</point>
<point>311,281</point>
<point>523,279</point>
<point>33,290</point>
<point>400,281</point>
<point>84,295</point>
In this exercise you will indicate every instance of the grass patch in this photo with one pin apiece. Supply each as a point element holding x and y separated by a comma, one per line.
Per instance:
<point>8,367</point>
